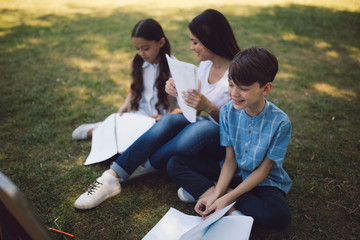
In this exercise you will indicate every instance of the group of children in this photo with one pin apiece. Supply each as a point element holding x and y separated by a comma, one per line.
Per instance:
<point>234,155</point>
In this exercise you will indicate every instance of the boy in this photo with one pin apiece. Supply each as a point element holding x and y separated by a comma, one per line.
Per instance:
<point>256,134</point>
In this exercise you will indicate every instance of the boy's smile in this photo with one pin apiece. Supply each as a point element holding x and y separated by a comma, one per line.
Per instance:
<point>251,98</point>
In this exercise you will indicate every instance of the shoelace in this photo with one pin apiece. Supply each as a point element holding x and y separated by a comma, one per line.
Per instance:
<point>94,187</point>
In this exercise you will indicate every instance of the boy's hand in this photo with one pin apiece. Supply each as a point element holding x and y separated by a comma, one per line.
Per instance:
<point>203,205</point>
<point>219,204</point>
<point>170,87</point>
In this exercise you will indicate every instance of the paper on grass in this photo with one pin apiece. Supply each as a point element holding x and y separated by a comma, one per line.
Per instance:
<point>172,225</point>
<point>176,225</point>
<point>185,78</point>
<point>115,134</point>
<point>206,223</point>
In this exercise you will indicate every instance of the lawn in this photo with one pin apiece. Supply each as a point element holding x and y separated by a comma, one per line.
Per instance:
<point>64,63</point>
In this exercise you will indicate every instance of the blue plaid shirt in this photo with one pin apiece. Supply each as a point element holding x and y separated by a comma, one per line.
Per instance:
<point>254,138</point>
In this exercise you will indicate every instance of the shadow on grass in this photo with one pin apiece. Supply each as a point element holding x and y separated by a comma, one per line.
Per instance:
<point>67,70</point>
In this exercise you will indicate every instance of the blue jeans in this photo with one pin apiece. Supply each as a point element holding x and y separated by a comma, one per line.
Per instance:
<point>171,135</point>
<point>266,204</point>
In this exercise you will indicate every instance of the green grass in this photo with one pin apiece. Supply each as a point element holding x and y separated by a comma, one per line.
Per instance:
<point>63,63</point>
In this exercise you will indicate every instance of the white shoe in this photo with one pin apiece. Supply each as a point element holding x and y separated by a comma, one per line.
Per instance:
<point>81,132</point>
<point>185,196</point>
<point>97,193</point>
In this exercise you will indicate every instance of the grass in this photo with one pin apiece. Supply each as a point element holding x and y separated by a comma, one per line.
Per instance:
<point>63,63</point>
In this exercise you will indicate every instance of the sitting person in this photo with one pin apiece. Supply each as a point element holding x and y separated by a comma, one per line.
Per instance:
<point>256,134</point>
<point>149,73</point>
<point>214,43</point>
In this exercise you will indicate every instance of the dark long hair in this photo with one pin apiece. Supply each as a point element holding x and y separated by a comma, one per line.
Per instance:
<point>150,30</point>
<point>215,33</point>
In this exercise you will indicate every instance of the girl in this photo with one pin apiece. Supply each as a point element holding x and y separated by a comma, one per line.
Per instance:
<point>214,43</point>
<point>149,73</point>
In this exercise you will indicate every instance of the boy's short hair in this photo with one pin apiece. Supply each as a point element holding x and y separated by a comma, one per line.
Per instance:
<point>255,64</point>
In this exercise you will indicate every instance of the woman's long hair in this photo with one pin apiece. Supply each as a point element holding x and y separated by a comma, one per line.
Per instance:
<point>150,30</point>
<point>215,33</point>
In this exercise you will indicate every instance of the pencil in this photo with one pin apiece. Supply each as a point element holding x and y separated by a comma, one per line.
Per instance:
<point>55,230</point>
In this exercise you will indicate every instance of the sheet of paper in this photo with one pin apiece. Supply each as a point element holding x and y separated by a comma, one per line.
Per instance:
<point>129,127</point>
<point>205,224</point>
<point>172,225</point>
<point>233,227</point>
<point>103,143</point>
<point>185,78</point>
<point>116,134</point>
<point>175,225</point>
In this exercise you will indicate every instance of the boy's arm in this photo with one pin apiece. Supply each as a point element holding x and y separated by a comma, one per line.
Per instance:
<point>253,180</point>
<point>227,172</point>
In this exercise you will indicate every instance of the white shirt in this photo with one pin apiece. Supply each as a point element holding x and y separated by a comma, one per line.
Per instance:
<point>217,92</point>
<point>149,95</point>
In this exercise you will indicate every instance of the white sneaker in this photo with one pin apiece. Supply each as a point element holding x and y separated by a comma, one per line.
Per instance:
<point>81,132</point>
<point>97,193</point>
<point>185,196</point>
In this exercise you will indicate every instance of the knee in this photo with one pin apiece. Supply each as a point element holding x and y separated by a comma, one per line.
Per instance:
<point>172,166</point>
<point>278,219</point>
<point>170,120</point>
<point>207,128</point>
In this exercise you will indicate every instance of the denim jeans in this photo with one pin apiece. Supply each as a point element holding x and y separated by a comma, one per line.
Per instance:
<point>266,204</point>
<point>171,135</point>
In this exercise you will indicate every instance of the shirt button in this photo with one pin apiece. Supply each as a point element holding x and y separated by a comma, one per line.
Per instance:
<point>249,131</point>
<point>246,151</point>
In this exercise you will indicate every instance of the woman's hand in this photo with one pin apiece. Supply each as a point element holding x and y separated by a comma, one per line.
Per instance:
<point>170,87</point>
<point>197,100</point>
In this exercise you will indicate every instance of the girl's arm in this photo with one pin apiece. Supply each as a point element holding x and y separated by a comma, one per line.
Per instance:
<point>126,107</point>
<point>253,180</point>
<point>227,172</point>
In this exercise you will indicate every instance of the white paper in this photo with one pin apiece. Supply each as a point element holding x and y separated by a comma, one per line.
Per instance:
<point>116,134</point>
<point>240,228</point>
<point>176,225</point>
<point>129,127</point>
<point>207,222</point>
<point>185,78</point>
<point>172,225</point>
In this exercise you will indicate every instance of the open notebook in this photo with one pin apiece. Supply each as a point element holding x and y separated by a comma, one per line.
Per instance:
<point>175,225</point>
<point>116,134</point>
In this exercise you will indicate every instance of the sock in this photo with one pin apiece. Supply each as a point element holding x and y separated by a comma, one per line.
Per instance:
<point>109,178</point>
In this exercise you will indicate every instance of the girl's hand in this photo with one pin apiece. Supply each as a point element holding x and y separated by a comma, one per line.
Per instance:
<point>197,100</point>
<point>124,108</point>
<point>156,117</point>
<point>170,87</point>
